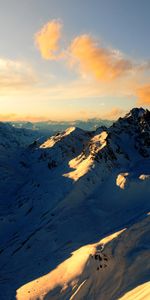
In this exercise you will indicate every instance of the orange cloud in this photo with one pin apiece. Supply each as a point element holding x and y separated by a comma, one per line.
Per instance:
<point>47,39</point>
<point>19,117</point>
<point>143,94</point>
<point>102,64</point>
<point>7,117</point>
<point>112,114</point>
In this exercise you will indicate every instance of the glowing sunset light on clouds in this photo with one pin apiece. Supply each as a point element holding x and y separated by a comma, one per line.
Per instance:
<point>56,70</point>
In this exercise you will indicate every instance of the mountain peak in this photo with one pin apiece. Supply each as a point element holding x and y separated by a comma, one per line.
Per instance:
<point>138,118</point>
<point>137,113</point>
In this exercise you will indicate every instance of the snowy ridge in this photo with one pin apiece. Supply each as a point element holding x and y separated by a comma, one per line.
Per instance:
<point>64,194</point>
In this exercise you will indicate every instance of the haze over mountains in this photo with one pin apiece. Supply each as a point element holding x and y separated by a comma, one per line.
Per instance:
<point>54,126</point>
<point>62,197</point>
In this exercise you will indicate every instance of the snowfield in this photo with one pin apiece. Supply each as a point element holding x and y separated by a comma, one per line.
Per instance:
<point>122,266</point>
<point>66,196</point>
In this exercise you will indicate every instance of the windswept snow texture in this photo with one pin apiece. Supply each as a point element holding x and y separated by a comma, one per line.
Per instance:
<point>74,212</point>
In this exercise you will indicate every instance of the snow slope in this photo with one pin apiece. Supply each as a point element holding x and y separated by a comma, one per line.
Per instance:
<point>116,272</point>
<point>65,194</point>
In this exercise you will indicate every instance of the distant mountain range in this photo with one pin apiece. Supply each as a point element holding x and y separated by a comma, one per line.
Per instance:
<point>54,126</point>
<point>75,210</point>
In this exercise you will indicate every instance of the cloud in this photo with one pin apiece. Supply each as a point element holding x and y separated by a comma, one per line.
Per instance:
<point>47,39</point>
<point>143,95</point>
<point>105,71</point>
<point>103,64</point>
<point>15,75</point>
<point>20,117</point>
<point>113,114</point>
<point>7,117</point>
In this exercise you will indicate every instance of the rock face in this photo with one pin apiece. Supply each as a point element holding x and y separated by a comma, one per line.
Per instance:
<point>122,180</point>
<point>63,194</point>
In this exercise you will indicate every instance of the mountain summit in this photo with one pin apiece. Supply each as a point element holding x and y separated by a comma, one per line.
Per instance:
<point>137,113</point>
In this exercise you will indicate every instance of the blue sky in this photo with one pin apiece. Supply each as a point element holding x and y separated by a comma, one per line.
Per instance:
<point>34,87</point>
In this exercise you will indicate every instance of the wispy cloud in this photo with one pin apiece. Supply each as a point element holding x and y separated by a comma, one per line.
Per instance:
<point>15,75</point>
<point>7,117</point>
<point>143,94</point>
<point>20,117</point>
<point>109,114</point>
<point>103,64</point>
<point>113,114</point>
<point>47,39</point>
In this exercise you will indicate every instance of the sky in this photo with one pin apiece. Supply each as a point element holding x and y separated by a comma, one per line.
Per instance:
<point>73,59</point>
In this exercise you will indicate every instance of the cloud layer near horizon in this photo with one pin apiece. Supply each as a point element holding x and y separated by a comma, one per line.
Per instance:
<point>111,114</point>
<point>47,39</point>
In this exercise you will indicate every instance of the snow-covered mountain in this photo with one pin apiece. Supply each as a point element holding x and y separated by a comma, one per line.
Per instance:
<point>61,198</point>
